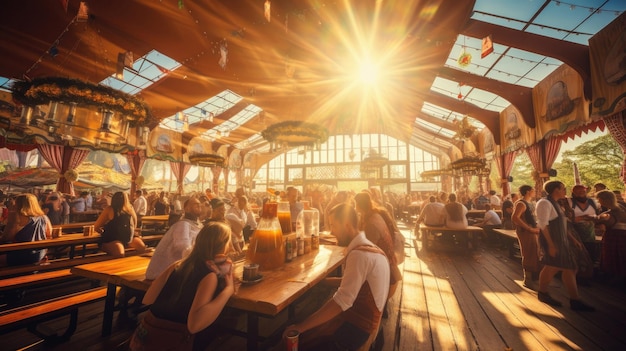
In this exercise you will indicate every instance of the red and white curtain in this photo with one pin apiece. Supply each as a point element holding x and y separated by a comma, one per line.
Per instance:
<point>505,166</point>
<point>136,159</point>
<point>180,170</point>
<point>615,125</point>
<point>542,156</point>
<point>63,158</point>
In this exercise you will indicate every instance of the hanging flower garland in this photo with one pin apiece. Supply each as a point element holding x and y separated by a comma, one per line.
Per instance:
<point>41,91</point>
<point>70,175</point>
<point>296,133</point>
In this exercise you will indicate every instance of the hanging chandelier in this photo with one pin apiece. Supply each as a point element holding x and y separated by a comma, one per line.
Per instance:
<point>295,133</point>
<point>207,160</point>
<point>81,114</point>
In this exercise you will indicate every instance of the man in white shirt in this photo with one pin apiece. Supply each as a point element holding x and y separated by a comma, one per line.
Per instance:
<point>350,319</point>
<point>433,214</point>
<point>176,241</point>
<point>140,205</point>
<point>494,200</point>
<point>490,221</point>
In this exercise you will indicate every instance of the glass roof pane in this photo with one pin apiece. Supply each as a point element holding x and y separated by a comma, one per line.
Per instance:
<point>478,97</point>
<point>447,115</point>
<point>206,109</point>
<point>571,20</point>
<point>5,83</point>
<point>146,70</point>
<point>251,141</point>
<point>434,128</point>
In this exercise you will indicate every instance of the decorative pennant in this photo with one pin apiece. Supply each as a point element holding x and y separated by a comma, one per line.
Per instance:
<point>128,59</point>
<point>487,46</point>
<point>64,4</point>
<point>83,12</point>
<point>268,9</point>
<point>54,51</point>
<point>223,55</point>
<point>162,69</point>
<point>119,70</point>
<point>465,59</point>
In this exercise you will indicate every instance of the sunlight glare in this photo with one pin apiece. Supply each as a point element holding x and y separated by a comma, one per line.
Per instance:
<point>368,72</point>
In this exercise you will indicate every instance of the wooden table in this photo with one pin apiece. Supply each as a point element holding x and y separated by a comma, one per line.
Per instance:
<point>511,238</point>
<point>70,240</point>
<point>470,235</point>
<point>276,292</point>
<point>71,228</point>
<point>155,219</point>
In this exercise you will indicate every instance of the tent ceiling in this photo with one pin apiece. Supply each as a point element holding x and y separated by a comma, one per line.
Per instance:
<point>298,65</point>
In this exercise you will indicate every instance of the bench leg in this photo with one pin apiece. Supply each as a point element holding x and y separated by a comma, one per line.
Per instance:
<point>109,307</point>
<point>53,338</point>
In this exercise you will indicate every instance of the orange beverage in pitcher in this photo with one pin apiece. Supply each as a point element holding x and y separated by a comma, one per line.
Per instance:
<point>285,222</point>
<point>266,244</point>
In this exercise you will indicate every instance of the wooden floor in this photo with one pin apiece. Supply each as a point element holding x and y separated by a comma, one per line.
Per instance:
<point>449,300</point>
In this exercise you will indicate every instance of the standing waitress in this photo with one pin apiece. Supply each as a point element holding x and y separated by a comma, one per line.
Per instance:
<point>555,242</point>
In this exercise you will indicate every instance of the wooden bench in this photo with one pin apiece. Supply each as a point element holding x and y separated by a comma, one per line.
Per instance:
<point>510,237</point>
<point>30,316</point>
<point>39,278</point>
<point>469,236</point>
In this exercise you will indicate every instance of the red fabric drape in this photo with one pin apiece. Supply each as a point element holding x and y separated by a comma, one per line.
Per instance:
<point>62,158</point>
<point>542,156</point>
<point>180,169</point>
<point>615,125</point>
<point>552,147</point>
<point>135,161</point>
<point>534,154</point>
<point>505,166</point>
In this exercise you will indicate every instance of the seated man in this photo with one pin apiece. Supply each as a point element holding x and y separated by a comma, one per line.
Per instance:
<point>177,240</point>
<point>432,215</point>
<point>490,221</point>
<point>350,319</point>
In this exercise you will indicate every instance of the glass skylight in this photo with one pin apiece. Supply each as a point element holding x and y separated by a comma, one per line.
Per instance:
<point>205,110</point>
<point>146,70</point>
<point>5,83</point>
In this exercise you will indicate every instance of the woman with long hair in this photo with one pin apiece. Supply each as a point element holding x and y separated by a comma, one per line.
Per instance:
<point>53,208</point>
<point>555,243</point>
<point>117,224</point>
<point>26,222</point>
<point>527,233</point>
<point>189,296</point>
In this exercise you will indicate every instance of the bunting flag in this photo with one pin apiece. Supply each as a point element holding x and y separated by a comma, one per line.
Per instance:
<point>83,12</point>
<point>162,69</point>
<point>128,59</point>
<point>64,4</point>
<point>268,10</point>
<point>487,47</point>
<point>119,70</point>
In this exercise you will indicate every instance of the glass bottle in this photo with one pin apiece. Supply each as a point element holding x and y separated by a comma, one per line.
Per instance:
<point>284,217</point>
<point>308,224</point>
<point>266,244</point>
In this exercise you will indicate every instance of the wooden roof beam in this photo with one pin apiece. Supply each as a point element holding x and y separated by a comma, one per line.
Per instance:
<point>574,55</point>
<point>490,119</point>
<point>519,96</point>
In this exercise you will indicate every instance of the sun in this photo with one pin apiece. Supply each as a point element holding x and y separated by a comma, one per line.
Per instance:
<point>368,72</point>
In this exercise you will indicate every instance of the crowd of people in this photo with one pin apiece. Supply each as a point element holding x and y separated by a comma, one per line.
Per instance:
<point>556,234</point>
